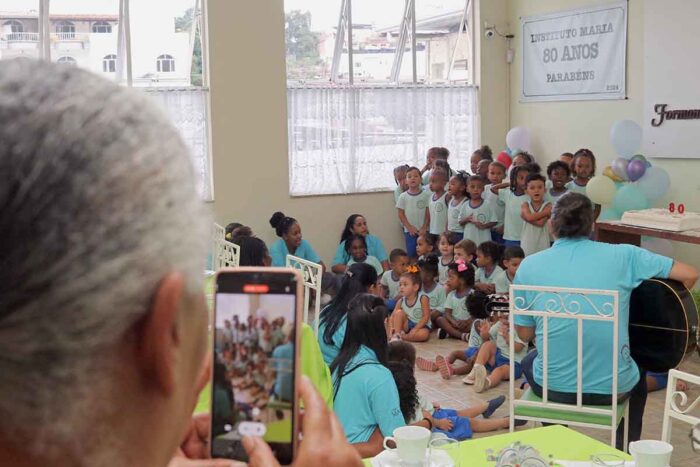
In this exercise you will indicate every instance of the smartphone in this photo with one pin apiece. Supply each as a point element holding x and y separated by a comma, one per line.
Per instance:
<point>257,317</point>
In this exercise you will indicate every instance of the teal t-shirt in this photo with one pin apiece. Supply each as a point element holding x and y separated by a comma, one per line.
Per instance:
<point>481,212</point>
<point>279,252</point>
<point>438,214</point>
<point>415,207</point>
<point>437,296</point>
<point>330,351</point>
<point>390,282</point>
<point>453,211</point>
<point>513,223</point>
<point>374,248</point>
<point>574,187</point>
<point>582,263</point>
<point>414,310</point>
<point>458,305</point>
<point>367,398</point>
<point>497,277</point>
<point>372,261</point>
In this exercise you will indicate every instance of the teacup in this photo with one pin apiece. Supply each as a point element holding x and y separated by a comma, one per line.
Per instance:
<point>651,453</point>
<point>411,443</point>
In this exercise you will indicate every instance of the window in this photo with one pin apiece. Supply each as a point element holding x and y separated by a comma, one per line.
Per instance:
<point>165,64</point>
<point>109,64</point>
<point>12,26</point>
<point>102,27</point>
<point>65,30</point>
<point>127,55</point>
<point>357,108</point>
<point>70,61</point>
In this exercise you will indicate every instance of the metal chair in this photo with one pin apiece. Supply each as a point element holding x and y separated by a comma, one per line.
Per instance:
<point>675,400</point>
<point>580,306</point>
<point>312,273</point>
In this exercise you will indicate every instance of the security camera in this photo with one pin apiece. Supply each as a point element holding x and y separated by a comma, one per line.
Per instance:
<point>489,33</point>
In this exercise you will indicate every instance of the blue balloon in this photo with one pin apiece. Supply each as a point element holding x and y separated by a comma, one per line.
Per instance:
<point>626,137</point>
<point>630,198</point>
<point>655,183</point>
<point>609,214</point>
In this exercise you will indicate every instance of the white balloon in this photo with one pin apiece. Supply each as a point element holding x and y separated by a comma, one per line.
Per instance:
<point>626,138</point>
<point>654,183</point>
<point>518,138</point>
<point>660,246</point>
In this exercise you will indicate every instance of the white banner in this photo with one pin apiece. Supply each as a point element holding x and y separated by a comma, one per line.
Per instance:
<point>575,55</point>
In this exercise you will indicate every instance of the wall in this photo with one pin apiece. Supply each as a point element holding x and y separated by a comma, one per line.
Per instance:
<point>566,126</point>
<point>249,134</point>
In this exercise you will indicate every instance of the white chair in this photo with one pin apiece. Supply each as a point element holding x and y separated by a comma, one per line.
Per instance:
<point>579,306</point>
<point>675,400</point>
<point>312,273</point>
<point>227,254</point>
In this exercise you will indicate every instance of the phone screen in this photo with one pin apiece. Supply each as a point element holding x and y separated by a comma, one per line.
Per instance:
<point>254,359</point>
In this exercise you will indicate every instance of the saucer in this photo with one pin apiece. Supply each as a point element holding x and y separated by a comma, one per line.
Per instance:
<point>391,458</point>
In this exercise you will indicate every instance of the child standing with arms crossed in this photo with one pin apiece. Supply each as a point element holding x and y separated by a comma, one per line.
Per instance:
<point>476,215</point>
<point>535,213</point>
<point>438,202</point>
<point>458,196</point>
<point>413,210</point>
<point>411,318</point>
<point>497,172</point>
<point>513,199</point>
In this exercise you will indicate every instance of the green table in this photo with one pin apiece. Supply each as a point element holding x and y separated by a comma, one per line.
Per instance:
<point>559,441</point>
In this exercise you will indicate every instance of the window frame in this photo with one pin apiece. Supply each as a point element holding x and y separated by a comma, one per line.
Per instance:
<point>109,63</point>
<point>67,60</point>
<point>61,26</point>
<point>105,25</point>
<point>124,58</point>
<point>12,23</point>
<point>165,61</point>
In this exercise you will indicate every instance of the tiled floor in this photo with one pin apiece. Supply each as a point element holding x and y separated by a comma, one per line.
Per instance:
<point>454,394</point>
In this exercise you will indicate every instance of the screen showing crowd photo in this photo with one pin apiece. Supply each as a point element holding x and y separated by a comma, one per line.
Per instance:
<point>253,385</point>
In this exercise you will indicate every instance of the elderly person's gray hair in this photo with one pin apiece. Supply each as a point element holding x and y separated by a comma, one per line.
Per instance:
<point>97,204</point>
<point>572,216</point>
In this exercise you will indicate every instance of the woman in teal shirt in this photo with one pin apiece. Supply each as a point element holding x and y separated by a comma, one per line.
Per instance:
<point>366,397</point>
<point>359,278</point>
<point>357,224</point>
<point>575,261</point>
<point>290,242</point>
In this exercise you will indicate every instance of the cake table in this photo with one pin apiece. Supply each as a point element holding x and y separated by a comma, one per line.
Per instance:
<point>617,232</point>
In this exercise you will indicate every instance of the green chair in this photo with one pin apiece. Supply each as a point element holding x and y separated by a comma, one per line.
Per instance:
<point>579,306</point>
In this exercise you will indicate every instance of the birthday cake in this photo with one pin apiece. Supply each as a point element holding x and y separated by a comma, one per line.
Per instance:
<point>662,219</point>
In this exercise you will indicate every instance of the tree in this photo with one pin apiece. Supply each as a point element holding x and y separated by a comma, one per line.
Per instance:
<point>184,24</point>
<point>303,59</point>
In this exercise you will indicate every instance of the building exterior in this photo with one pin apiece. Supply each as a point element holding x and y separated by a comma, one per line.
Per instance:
<point>160,56</point>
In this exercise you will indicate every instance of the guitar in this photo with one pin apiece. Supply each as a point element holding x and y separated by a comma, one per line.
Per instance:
<point>663,324</point>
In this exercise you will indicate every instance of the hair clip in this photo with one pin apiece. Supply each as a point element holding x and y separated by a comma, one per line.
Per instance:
<point>228,236</point>
<point>461,265</point>
<point>412,269</point>
<point>349,273</point>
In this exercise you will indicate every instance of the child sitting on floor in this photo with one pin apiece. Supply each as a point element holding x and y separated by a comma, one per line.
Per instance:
<point>490,277</point>
<point>476,302</point>
<point>426,244</point>
<point>356,247</point>
<point>512,258</point>
<point>494,356</point>
<point>455,320</point>
<point>465,250</point>
<point>417,410</point>
<point>446,247</point>
<point>398,261</point>
<point>429,285</point>
<point>411,318</point>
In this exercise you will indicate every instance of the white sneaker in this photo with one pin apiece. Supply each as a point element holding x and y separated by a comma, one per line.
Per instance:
<point>469,379</point>
<point>481,381</point>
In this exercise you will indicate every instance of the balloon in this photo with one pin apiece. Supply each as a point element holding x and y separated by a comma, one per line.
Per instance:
<point>609,214</point>
<point>504,159</point>
<point>660,246</point>
<point>640,157</point>
<point>626,137</point>
<point>635,170</point>
<point>630,198</point>
<point>655,182</point>
<point>601,190</point>
<point>518,137</point>
<point>608,172</point>
<point>619,167</point>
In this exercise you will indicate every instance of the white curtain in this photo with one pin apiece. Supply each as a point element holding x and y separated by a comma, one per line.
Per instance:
<point>349,139</point>
<point>188,112</point>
